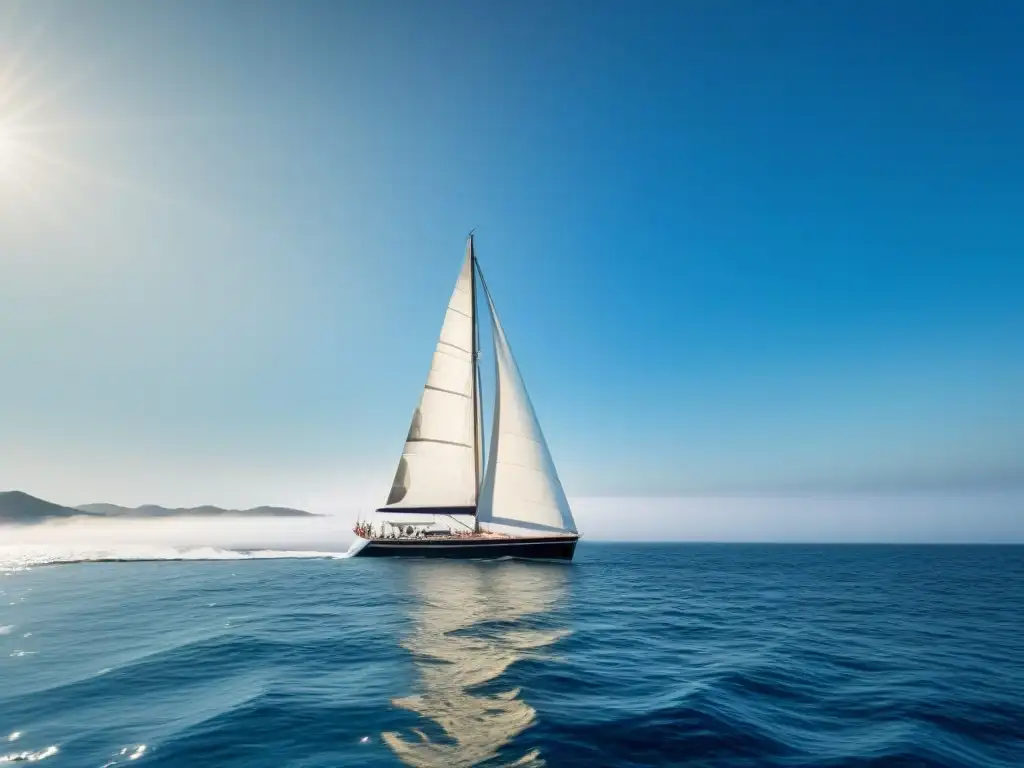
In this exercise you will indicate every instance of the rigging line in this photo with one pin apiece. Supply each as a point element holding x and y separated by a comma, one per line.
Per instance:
<point>456,520</point>
<point>483,282</point>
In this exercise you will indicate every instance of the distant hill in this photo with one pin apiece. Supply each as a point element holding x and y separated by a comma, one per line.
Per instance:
<point>21,508</point>
<point>152,510</point>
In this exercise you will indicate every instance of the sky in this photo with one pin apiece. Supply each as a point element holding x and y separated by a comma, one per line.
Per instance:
<point>740,248</point>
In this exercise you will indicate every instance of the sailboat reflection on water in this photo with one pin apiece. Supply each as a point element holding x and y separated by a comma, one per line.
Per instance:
<point>472,622</point>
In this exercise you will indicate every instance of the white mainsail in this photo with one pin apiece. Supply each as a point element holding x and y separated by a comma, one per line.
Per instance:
<point>521,492</point>
<point>439,466</point>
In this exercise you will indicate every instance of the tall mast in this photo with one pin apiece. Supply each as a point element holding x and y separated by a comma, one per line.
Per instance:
<point>478,437</point>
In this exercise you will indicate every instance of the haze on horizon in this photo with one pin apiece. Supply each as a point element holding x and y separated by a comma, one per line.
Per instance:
<point>739,249</point>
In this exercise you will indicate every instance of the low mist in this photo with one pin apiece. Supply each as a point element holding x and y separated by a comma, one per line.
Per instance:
<point>993,517</point>
<point>989,518</point>
<point>174,538</point>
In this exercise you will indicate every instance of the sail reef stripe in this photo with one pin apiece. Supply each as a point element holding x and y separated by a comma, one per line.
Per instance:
<point>452,355</point>
<point>432,440</point>
<point>454,346</point>
<point>447,391</point>
<point>508,463</point>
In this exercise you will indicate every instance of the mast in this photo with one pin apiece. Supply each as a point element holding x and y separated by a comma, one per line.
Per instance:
<point>477,427</point>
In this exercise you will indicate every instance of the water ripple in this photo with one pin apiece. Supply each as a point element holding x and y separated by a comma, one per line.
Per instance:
<point>631,656</point>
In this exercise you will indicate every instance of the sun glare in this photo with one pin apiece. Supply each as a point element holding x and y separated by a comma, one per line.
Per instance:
<point>40,173</point>
<point>22,167</point>
<point>14,155</point>
<point>8,148</point>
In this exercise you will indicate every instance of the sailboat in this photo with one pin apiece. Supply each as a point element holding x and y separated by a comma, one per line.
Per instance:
<point>450,500</point>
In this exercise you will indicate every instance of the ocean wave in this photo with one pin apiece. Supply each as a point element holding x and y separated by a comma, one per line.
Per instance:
<point>711,656</point>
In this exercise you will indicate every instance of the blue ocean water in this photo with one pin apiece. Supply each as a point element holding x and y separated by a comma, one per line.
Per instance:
<point>633,655</point>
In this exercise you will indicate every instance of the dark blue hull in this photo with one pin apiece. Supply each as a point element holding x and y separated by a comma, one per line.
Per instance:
<point>535,548</point>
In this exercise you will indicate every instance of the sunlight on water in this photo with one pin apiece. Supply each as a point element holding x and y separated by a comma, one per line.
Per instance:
<point>128,753</point>
<point>471,626</point>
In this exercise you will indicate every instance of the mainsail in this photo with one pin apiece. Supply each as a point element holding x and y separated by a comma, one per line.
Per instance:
<point>440,465</point>
<point>521,492</point>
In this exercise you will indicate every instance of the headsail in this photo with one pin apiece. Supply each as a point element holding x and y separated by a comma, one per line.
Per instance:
<point>438,472</point>
<point>521,490</point>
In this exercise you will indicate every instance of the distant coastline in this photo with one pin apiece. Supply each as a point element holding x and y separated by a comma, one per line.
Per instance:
<point>20,508</point>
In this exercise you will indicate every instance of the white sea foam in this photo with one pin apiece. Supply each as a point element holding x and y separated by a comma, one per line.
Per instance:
<point>82,540</point>
<point>18,556</point>
<point>127,753</point>
<point>357,545</point>
<point>29,757</point>
<point>136,753</point>
<point>6,629</point>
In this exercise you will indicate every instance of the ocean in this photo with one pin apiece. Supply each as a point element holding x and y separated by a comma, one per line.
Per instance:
<point>633,655</point>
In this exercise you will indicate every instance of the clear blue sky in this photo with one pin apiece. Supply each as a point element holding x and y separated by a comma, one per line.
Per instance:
<point>737,246</point>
